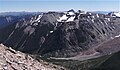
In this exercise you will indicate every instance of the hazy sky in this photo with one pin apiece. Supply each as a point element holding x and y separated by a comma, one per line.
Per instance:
<point>59,5</point>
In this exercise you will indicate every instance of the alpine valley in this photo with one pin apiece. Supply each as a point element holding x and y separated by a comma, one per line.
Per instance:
<point>75,40</point>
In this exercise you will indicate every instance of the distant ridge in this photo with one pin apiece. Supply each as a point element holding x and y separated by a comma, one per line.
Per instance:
<point>18,13</point>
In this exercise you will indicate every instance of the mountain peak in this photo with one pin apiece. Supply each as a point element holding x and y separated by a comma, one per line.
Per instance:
<point>68,16</point>
<point>71,10</point>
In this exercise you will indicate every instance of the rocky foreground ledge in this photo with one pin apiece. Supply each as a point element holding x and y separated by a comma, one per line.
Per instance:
<point>15,60</point>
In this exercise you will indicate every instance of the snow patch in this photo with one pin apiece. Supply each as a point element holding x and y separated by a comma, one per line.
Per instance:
<point>38,20</point>
<point>117,14</point>
<point>117,36</point>
<point>51,31</point>
<point>108,19</point>
<point>70,13</point>
<point>90,13</point>
<point>93,20</point>
<point>88,16</point>
<point>67,17</point>
<point>63,18</point>
<point>70,19</point>
<point>93,17</point>
<point>39,17</point>
<point>35,24</point>
<point>97,15</point>
<point>112,38</point>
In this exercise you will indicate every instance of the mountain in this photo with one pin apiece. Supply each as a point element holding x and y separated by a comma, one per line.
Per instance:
<point>7,18</point>
<point>16,60</point>
<point>18,13</point>
<point>10,19</point>
<point>61,34</point>
<point>102,12</point>
<point>114,14</point>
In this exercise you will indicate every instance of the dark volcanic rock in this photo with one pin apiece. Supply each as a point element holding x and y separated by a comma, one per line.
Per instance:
<point>60,34</point>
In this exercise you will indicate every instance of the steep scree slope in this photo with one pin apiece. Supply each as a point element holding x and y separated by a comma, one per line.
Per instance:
<point>14,60</point>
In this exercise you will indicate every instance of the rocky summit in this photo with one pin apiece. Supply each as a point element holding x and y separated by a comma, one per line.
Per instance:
<point>61,34</point>
<point>15,60</point>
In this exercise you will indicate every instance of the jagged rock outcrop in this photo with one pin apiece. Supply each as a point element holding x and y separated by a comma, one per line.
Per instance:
<point>60,34</point>
<point>15,60</point>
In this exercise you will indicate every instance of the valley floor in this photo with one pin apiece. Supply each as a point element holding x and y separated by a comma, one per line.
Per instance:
<point>106,48</point>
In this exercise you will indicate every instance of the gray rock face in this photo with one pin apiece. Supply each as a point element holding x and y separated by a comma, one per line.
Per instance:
<point>60,34</point>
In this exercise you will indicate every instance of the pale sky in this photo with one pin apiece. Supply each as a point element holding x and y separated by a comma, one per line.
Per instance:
<point>58,5</point>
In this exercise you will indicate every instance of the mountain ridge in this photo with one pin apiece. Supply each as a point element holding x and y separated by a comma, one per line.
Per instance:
<point>62,34</point>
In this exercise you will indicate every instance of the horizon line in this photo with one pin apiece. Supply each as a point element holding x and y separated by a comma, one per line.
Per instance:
<point>61,11</point>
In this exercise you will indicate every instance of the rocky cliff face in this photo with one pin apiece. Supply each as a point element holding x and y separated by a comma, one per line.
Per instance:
<point>15,60</point>
<point>60,34</point>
